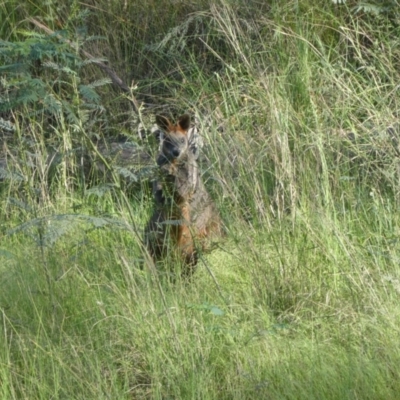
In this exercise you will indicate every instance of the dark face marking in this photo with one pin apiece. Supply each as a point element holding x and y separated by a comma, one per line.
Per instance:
<point>175,142</point>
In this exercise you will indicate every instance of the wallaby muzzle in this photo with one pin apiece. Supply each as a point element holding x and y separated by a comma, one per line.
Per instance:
<point>170,152</point>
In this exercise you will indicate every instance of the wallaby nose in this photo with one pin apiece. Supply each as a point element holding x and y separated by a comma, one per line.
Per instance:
<point>175,152</point>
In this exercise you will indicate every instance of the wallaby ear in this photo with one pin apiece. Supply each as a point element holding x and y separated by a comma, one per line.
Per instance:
<point>163,122</point>
<point>184,122</point>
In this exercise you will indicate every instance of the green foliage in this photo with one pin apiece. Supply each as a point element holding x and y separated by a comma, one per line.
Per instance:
<point>39,71</point>
<point>377,7</point>
<point>298,107</point>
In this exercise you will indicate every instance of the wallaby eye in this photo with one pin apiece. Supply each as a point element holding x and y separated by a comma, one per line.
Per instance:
<point>182,140</point>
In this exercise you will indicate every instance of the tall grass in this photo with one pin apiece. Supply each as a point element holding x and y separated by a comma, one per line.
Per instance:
<point>300,300</point>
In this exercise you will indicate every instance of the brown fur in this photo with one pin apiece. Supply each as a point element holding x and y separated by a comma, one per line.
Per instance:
<point>185,216</point>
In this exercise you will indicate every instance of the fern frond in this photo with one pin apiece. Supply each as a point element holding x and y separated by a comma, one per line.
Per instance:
<point>28,96</point>
<point>71,116</point>
<point>89,61</point>
<point>53,228</point>
<point>127,174</point>
<point>7,254</point>
<point>176,38</point>
<point>6,125</point>
<point>100,190</point>
<point>95,107</point>
<point>82,15</point>
<point>20,204</point>
<point>94,38</point>
<point>84,116</point>
<point>100,82</point>
<point>52,105</point>
<point>368,8</point>
<point>56,67</point>
<point>13,68</point>
<point>7,175</point>
<point>31,34</point>
<point>376,7</point>
<point>87,92</point>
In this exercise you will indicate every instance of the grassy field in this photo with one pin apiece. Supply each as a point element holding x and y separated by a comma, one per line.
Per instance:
<point>298,104</point>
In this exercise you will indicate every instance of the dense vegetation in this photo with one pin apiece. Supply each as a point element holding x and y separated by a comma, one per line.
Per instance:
<point>297,101</point>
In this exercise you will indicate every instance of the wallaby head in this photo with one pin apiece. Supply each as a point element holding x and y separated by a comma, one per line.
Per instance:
<point>174,145</point>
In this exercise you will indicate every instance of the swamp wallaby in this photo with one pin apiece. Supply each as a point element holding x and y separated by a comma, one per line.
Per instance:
<point>184,216</point>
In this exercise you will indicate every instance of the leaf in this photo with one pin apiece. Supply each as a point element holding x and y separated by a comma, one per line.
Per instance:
<point>89,93</point>
<point>100,190</point>
<point>56,67</point>
<point>100,82</point>
<point>52,105</point>
<point>372,8</point>
<point>17,67</point>
<point>7,125</point>
<point>71,117</point>
<point>127,174</point>
<point>18,203</point>
<point>93,60</point>
<point>6,254</point>
<point>48,230</point>
<point>216,311</point>
<point>207,307</point>
<point>5,174</point>
<point>31,34</point>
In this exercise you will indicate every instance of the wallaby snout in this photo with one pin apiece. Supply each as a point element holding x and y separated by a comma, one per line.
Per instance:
<point>173,147</point>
